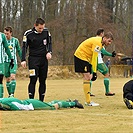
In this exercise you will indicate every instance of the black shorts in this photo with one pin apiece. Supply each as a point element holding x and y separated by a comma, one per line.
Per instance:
<point>82,66</point>
<point>38,66</point>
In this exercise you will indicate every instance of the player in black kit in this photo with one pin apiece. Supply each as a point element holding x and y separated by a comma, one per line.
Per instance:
<point>38,40</point>
<point>128,94</point>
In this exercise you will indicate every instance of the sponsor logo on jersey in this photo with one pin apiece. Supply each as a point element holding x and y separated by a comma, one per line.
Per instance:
<point>85,69</point>
<point>44,41</point>
<point>10,47</point>
<point>97,49</point>
<point>24,39</point>
<point>49,33</point>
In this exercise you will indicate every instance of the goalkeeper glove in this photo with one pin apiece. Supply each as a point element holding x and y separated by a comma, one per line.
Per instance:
<point>94,77</point>
<point>113,54</point>
<point>11,64</point>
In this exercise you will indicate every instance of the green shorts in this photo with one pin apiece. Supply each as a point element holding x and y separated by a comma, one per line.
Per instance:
<point>102,68</point>
<point>39,105</point>
<point>8,71</point>
<point>2,69</point>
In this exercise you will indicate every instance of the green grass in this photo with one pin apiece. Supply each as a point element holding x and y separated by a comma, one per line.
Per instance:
<point>111,116</point>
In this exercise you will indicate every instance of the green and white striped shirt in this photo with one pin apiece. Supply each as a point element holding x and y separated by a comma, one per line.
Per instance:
<point>14,47</point>
<point>4,48</point>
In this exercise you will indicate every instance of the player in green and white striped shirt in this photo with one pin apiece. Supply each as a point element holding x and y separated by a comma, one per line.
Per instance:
<point>12,103</point>
<point>4,48</point>
<point>10,74</point>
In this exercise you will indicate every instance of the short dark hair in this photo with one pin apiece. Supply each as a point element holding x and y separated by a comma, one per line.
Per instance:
<point>39,21</point>
<point>8,28</point>
<point>99,31</point>
<point>109,35</point>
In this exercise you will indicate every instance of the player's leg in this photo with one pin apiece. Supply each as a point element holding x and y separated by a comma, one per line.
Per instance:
<point>42,79</point>
<point>7,75</point>
<point>91,94</point>
<point>86,87</point>
<point>8,85</point>
<point>39,105</point>
<point>33,71</point>
<point>13,79</point>
<point>31,86</point>
<point>66,104</point>
<point>54,101</point>
<point>1,86</point>
<point>13,84</point>
<point>102,68</point>
<point>84,68</point>
<point>1,79</point>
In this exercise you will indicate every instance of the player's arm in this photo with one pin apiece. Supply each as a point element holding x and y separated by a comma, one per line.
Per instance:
<point>24,50</point>
<point>49,46</point>
<point>95,50</point>
<point>104,52</point>
<point>18,49</point>
<point>5,44</point>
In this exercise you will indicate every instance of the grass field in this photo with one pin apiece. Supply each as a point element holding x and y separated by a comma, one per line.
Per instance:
<point>111,116</point>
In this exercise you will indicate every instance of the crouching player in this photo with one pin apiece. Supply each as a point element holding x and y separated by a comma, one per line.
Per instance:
<point>85,60</point>
<point>128,94</point>
<point>12,103</point>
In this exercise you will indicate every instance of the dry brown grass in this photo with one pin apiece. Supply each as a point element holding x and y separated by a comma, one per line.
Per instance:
<point>111,116</point>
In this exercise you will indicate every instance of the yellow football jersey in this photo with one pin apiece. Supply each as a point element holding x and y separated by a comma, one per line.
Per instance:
<point>88,51</point>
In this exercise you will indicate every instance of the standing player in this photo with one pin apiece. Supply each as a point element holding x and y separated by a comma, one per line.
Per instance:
<point>10,74</point>
<point>38,40</point>
<point>101,67</point>
<point>4,48</point>
<point>85,61</point>
<point>128,94</point>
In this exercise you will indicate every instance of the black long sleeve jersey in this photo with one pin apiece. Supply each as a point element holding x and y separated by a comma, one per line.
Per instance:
<point>39,43</point>
<point>128,88</point>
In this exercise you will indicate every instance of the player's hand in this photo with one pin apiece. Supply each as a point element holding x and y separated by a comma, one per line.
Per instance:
<point>48,55</point>
<point>11,63</point>
<point>23,64</point>
<point>94,77</point>
<point>113,54</point>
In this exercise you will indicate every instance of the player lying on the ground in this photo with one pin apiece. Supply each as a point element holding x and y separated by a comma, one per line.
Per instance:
<point>12,103</point>
<point>128,94</point>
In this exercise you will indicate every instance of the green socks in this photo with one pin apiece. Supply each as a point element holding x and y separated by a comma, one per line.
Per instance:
<point>1,91</point>
<point>8,86</point>
<point>106,84</point>
<point>64,104</point>
<point>11,86</point>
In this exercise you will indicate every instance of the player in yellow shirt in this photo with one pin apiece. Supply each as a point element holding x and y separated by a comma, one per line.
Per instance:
<point>85,61</point>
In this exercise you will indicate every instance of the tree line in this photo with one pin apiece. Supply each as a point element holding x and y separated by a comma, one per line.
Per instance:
<point>72,21</point>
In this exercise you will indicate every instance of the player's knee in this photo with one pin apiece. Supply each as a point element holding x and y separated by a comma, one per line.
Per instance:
<point>33,80</point>
<point>106,74</point>
<point>13,77</point>
<point>87,76</point>
<point>8,79</point>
